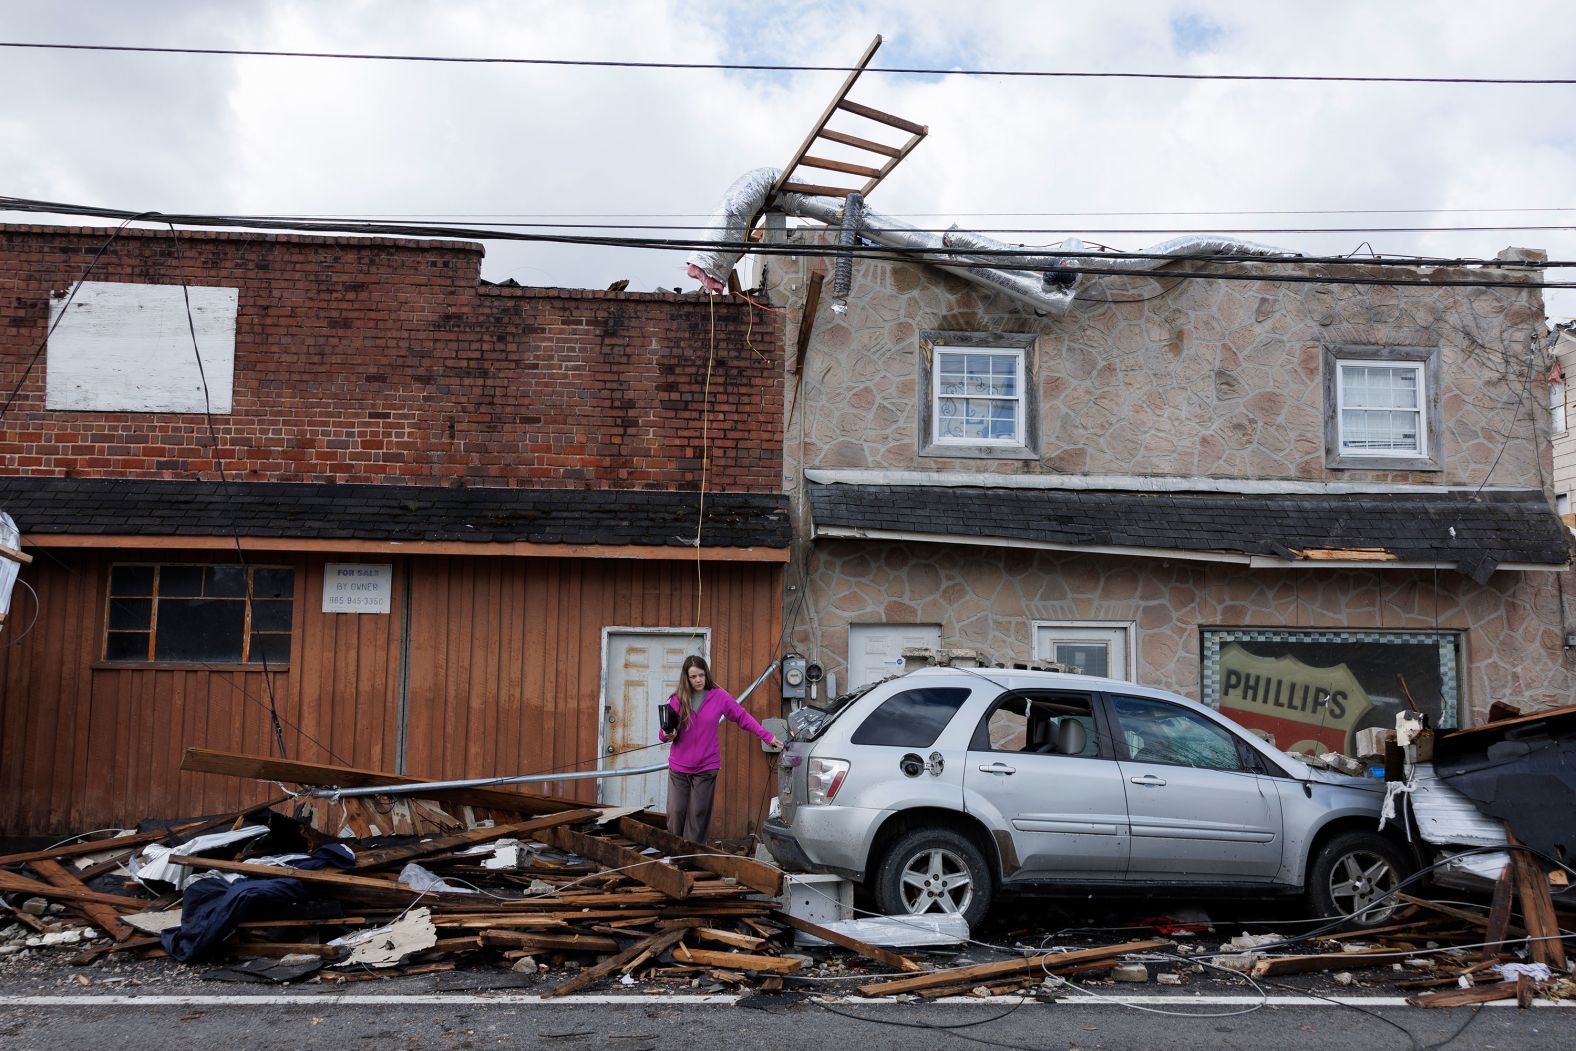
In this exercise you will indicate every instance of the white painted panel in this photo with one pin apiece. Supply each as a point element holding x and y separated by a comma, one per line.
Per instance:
<point>875,651</point>
<point>128,348</point>
<point>1095,649</point>
<point>640,672</point>
<point>357,587</point>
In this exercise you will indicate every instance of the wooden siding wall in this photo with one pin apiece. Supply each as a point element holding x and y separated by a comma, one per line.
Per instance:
<point>504,678</point>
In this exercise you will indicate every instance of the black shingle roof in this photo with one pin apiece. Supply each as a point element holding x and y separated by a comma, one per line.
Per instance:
<point>132,507</point>
<point>1502,526</point>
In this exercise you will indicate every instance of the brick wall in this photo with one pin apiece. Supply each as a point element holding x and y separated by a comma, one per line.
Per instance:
<point>372,359</point>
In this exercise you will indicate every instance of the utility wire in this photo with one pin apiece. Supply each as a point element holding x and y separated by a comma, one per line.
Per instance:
<point>784,67</point>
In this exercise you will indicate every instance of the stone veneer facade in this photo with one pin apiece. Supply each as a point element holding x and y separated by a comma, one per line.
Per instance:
<point>1216,379</point>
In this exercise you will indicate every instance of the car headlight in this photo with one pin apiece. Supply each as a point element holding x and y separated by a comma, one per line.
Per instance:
<point>825,777</point>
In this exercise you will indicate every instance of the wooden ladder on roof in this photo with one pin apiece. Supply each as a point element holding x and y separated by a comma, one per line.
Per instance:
<point>873,175</point>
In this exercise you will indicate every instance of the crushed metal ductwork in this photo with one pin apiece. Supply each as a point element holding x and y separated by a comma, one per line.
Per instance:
<point>1047,283</point>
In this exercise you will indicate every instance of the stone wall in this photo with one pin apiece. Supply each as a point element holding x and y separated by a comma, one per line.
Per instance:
<point>989,598</point>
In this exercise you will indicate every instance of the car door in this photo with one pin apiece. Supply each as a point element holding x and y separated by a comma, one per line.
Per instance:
<point>1197,811</point>
<point>1057,793</point>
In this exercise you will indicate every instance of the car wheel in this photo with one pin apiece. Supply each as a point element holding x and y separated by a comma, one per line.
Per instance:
<point>931,870</point>
<point>1352,876</point>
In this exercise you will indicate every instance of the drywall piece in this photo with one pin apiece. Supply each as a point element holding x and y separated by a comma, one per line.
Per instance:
<point>124,347</point>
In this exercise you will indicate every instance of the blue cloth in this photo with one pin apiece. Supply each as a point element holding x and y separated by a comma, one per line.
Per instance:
<point>212,908</point>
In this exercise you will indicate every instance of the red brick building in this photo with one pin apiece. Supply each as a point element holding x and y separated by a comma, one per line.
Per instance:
<point>468,515</point>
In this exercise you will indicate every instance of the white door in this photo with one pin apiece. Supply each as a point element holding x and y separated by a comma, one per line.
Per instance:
<point>875,651</point>
<point>639,672</point>
<point>1093,649</point>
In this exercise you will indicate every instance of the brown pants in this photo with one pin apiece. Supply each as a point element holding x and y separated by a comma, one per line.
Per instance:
<point>689,803</point>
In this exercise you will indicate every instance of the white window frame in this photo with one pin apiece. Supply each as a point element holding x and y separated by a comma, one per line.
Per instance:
<point>1420,449</point>
<point>1127,629</point>
<point>934,347</point>
<point>1557,407</point>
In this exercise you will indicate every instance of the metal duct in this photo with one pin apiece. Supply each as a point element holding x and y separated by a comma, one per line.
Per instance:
<point>843,270</point>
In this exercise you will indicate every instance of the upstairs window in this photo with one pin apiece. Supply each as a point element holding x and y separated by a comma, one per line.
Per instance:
<point>1557,406</point>
<point>976,391</point>
<point>199,614</point>
<point>1381,408</point>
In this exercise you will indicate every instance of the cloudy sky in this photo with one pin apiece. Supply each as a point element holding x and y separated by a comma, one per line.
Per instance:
<point>1043,157</point>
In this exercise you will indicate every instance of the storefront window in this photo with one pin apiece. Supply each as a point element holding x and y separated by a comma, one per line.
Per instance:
<point>1313,690</point>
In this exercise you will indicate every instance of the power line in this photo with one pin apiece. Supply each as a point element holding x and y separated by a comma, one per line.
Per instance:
<point>976,259</point>
<point>783,67</point>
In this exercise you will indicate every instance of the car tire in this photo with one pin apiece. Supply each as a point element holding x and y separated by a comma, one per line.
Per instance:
<point>934,870</point>
<point>1352,871</point>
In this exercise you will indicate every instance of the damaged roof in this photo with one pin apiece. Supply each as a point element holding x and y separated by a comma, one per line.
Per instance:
<point>1476,532</point>
<point>136,507</point>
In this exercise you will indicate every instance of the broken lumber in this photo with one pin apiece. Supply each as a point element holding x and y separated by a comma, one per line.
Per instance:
<point>539,941</point>
<point>753,874</point>
<point>1477,994</point>
<point>669,879</point>
<point>657,943</point>
<point>885,957</point>
<point>321,877</point>
<point>389,855</point>
<point>1045,963</point>
<point>1271,966</point>
<point>105,917</point>
<point>9,881</point>
<point>738,960</point>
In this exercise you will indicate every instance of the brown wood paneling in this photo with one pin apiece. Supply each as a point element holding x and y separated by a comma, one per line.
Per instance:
<point>504,679</point>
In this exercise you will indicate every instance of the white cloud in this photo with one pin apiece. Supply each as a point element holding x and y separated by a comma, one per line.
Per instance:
<point>240,135</point>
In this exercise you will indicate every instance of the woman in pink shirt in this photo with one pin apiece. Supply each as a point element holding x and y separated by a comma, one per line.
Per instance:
<point>700,705</point>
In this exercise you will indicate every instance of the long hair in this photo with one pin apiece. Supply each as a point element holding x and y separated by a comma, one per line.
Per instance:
<point>686,695</point>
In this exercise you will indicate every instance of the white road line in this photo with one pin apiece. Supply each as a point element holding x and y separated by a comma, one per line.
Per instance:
<point>310,1000</point>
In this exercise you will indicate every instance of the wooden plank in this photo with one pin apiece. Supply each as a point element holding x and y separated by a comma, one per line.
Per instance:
<point>1499,911</point>
<point>657,943</point>
<point>107,918</point>
<point>389,855</point>
<point>860,144</point>
<point>1335,961</point>
<point>274,950</point>
<point>497,549</point>
<point>1047,963</point>
<point>266,768</point>
<point>14,555</point>
<point>548,942</point>
<point>1475,919</point>
<point>885,957</point>
<point>886,169</point>
<point>668,879</point>
<point>320,877</point>
<point>11,882</point>
<point>738,961</point>
<point>753,874</point>
<point>747,942</point>
<point>827,164</point>
<point>96,846</point>
<point>1478,994</point>
<point>882,117</point>
<point>812,301</point>
<point>1537,910</point>
<point>816,189</point>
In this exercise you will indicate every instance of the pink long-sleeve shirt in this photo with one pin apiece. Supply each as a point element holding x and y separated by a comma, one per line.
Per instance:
<point>696,750</point>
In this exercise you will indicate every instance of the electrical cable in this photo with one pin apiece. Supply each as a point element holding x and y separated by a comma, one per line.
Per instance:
<point>37,609</point>
<point>782,67</point>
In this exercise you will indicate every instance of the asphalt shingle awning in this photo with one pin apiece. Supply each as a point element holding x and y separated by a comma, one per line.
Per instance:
<point>409,513</point>
<point>1473,531</point>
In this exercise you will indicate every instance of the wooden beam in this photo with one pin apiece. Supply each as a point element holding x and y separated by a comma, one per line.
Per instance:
<point>751,873</point>
<point>319,877</point>
<point>1537,909</point>
<point>816,190</point>
<point>826,115</point>
<point>1048,963</point>
<point>827,164</point>
<point>885,957</point>
<point>1499,912</point>
<point>738,961</point>
<point>886,169</point>
<point>1334,961</point>
<point>543,942</point>
<point>812,302</point>
<point>266,768</point>
<point>95,846</point>
<point>503,549</point>
<point>107,919</point>
<point>14,555</point>
<point>389,855</point>
<point>1478,994</point>
<point>668,879</point>
<point>860,144</point>
<point>11,882</point>
<point>657,943</point>
<point>882,117</point>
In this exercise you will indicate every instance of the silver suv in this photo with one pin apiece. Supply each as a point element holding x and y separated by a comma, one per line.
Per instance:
<point>938,787</point>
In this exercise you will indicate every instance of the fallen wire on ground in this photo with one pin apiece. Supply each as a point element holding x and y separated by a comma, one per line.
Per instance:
<point>514,890</point>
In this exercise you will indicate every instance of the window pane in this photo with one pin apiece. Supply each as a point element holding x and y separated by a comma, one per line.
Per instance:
<point>131,614</point>
<point>200,630</point>
<point>131,580</point>
<point>126,646</point>
<point>1156,732</point>
<point>912,719</point>
<point>1092,658</point>
<point>271,615</point>
<point>221,581</point>
<point>273,583</point>
<point>180,580</point>
<point>277,647</point>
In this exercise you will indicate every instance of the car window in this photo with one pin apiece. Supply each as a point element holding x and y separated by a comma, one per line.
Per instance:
<point>911,719</point>
<point>1157,732</point>
<point>1035,724</point>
